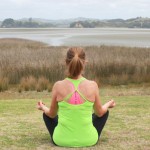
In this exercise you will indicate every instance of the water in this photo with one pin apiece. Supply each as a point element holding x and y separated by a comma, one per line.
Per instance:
<point>83,37</point>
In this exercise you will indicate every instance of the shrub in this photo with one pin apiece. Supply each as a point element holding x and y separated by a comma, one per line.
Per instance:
<point>19,89</point>
<point>43,83</point>
<point>4,82</point>
<point>32,82</point>
<point>38,88</point>
<point>49,88</point>
<point>27,83</point>
<point>24,84</point>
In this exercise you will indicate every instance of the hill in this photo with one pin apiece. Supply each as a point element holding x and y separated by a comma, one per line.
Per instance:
<point>63,23</point>
<point>138,22</point>
<point>80,22</point>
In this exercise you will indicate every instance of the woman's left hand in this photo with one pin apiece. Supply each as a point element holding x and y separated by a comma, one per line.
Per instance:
<point>112,103</point>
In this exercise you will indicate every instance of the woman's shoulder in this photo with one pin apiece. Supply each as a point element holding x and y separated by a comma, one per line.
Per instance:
<point>59,84</point>
<point>90,83</point>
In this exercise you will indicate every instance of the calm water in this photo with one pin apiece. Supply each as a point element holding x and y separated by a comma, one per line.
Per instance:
<point>83,37</point>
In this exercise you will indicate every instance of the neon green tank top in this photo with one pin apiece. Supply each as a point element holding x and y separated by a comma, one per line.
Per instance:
<point>75,127</point>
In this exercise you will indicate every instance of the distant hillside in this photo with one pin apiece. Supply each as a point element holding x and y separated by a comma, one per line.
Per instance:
<point>60,23</point>
<point>138,22</point>
<point>80,22</point>
<point>24,23</point>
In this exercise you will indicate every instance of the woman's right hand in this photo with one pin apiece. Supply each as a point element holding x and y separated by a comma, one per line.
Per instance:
<point>40,105</point>
<point>112,103</point>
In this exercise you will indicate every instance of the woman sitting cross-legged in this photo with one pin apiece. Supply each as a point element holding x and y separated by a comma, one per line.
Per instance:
<point>70,119</point>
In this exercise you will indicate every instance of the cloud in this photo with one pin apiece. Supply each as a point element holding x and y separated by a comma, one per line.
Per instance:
<point>55,9</point>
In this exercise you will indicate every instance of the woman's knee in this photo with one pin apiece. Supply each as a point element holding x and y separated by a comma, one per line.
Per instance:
<point>107,113</point>
<point>45,117</point>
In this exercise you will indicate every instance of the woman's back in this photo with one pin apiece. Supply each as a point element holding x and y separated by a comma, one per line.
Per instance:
<point>75,121</point>
<point>86,87</point>
<point>70,119</point>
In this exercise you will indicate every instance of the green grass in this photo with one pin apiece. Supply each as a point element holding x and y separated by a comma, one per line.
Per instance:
<point>22,127</point>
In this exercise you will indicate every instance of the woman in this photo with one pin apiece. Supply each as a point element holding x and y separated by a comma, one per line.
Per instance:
<point>69,119</point>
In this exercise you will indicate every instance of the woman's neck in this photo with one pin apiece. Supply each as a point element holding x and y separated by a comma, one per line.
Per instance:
<point>78,77</point>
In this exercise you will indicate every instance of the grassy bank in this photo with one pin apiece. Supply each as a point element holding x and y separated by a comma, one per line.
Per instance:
<point>33,65</point>
<point>22,126</point>
<point>21,60</point>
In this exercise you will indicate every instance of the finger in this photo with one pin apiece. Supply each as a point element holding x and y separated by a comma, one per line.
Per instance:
<point>40,103</point>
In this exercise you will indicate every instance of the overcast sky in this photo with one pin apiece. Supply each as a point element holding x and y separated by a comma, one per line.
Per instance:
<point>63,9</point>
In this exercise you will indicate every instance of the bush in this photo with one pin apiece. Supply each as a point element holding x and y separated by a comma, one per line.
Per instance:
<point>28,83</point>
<point>19,89</point>
<point>4,82</point>
<point>31,83</point>
<point>43,83</point>
<point>24,84</point>
<point>38,88</point>
<point>49,88</point>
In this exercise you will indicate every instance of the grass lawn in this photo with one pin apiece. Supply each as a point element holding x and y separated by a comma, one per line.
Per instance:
<point>128,126</point>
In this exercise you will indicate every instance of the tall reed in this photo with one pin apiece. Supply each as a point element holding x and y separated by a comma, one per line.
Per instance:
<point>106,64</point>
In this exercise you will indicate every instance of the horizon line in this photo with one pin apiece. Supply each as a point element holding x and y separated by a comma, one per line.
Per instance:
<point>73,18</point>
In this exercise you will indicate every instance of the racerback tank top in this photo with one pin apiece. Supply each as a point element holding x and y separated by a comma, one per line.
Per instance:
<point>75,127</point>
<point>75,98</point>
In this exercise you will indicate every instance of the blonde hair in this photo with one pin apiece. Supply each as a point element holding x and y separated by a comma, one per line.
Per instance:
<point>75,60</point>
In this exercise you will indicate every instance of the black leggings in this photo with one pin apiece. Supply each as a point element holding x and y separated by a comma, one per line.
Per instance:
<point>98,123</point>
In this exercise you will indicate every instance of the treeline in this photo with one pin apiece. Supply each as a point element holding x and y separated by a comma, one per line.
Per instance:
<point>11,23</point>
<point>82,24</point>
<point>138,22</point>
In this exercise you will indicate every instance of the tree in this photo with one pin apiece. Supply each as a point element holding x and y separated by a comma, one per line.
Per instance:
<point>30,19</point>
<point>8,23</point>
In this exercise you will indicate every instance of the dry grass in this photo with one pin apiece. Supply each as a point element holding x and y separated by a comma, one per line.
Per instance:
<point>24,58</point>
<point>109,65</point>
<point>119,65</point>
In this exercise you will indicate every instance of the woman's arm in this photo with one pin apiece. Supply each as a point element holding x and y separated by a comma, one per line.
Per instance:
<point>52,111</point>
<point>100,109</point>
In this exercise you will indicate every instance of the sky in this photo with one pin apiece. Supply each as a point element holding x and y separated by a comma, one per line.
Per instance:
<point>65,9</point>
